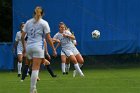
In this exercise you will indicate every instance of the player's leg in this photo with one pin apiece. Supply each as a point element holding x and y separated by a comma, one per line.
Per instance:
<point>25,69</point>
<point>80,63</point>
<point>80,60</point>
<point>77,68</point>
<point>48,67</point>
<point>63,59</point>
<point>19,65</point>
<point>35,72</point>
<point>67,65</point>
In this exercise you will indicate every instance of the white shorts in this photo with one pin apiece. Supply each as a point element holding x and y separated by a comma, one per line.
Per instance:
<point>34,52</point>
<point>68,52</point>
<point>19,50</point>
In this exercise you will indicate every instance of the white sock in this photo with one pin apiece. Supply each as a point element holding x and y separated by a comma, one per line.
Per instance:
<point>19,67</point>
<point>27,72</point>
<point>67,67</point>
<point>77,68</point>
<point>63,67</point>
<point>34,77</point>
<point>80,65</point>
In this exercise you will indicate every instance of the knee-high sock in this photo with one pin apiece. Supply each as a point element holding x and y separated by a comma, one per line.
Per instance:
<point>24,72</point>
<point>80,65</point>
<point>67,67</point>
<point>19,67</point>
<point>50,70</point>
<point>34,77</point>
<point>63,67</point>
<point>77,68</point>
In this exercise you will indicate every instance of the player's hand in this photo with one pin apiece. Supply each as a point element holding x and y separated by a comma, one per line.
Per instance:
<point>65,35</point>
<point>48,56</point>
<point>57,40</point>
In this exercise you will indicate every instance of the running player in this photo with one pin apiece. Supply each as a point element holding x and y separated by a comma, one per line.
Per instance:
<point>68,48</point>
<point>36,28</point>
<point>18,46</point>
<point>66,66</point>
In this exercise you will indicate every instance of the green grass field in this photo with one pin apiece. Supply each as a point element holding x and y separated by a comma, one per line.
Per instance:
<point>95,81</point>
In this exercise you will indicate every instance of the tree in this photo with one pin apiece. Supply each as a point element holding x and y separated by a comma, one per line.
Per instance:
<point>6,21</point>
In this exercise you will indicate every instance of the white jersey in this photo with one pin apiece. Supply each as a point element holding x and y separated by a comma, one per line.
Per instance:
<point>66,43</point>
<point>36,32</point>
<point>18,39</point>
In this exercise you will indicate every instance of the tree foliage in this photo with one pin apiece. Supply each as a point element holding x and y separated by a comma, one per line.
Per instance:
<point>5,20</point>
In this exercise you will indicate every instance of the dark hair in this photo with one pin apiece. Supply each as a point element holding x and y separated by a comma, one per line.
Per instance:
<point>42,12</point>
<point>21,24</point>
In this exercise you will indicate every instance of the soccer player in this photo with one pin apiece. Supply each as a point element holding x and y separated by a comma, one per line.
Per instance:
<point>66,66</point>
<point>36,29</point>
<point>18,46</point>
<point>68,48</point>
<point>45,62</point>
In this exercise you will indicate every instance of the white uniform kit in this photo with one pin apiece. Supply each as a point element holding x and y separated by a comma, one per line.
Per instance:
<point>35,32</point>
<point>68,48</point>
<point>19,46</point>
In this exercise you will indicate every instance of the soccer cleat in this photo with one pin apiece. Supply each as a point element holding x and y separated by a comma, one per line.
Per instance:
<point>67,73</point>
<point>54,76</point>
<point>64,73</point>
<point>74,73</point>
<point>82,75</point>
<point>21,80</point>
<point>34,91</point>
<point>19,75</point>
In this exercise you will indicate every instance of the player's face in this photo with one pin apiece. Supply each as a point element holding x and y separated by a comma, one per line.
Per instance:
<point>22,26</point>
<point>62,28</point>
<point>38,11</point>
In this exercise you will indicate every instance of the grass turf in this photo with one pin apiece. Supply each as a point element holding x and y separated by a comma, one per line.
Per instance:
<point>95,81</point>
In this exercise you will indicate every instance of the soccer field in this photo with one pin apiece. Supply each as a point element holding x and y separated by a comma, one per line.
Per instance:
<point>95,81</point>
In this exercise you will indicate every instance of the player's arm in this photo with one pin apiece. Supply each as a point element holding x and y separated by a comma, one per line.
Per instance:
<point>15,46</point>
<point>15,43</point>
<point>69,35</point>
<point>58,44</point>
<point>56,40</point>
<point>23,42</point>
<point>50,41</point>
<point>46,49</point>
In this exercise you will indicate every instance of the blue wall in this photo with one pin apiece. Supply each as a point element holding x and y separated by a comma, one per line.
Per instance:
<point>117,20</point>
<point>6,56</point>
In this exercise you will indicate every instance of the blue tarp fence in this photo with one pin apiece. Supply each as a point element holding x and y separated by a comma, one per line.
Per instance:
<point>6,56</point>
<point>117,20</point>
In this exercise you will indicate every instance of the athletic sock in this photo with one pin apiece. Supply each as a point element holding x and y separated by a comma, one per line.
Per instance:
<point>24,72</point>
<point>34,77</point>
<point>80,65</point>
<point>77,68</point>
<point>67,67</point>
<point>50,70</point>
<point>63,68</point>
<point>19,67</point>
